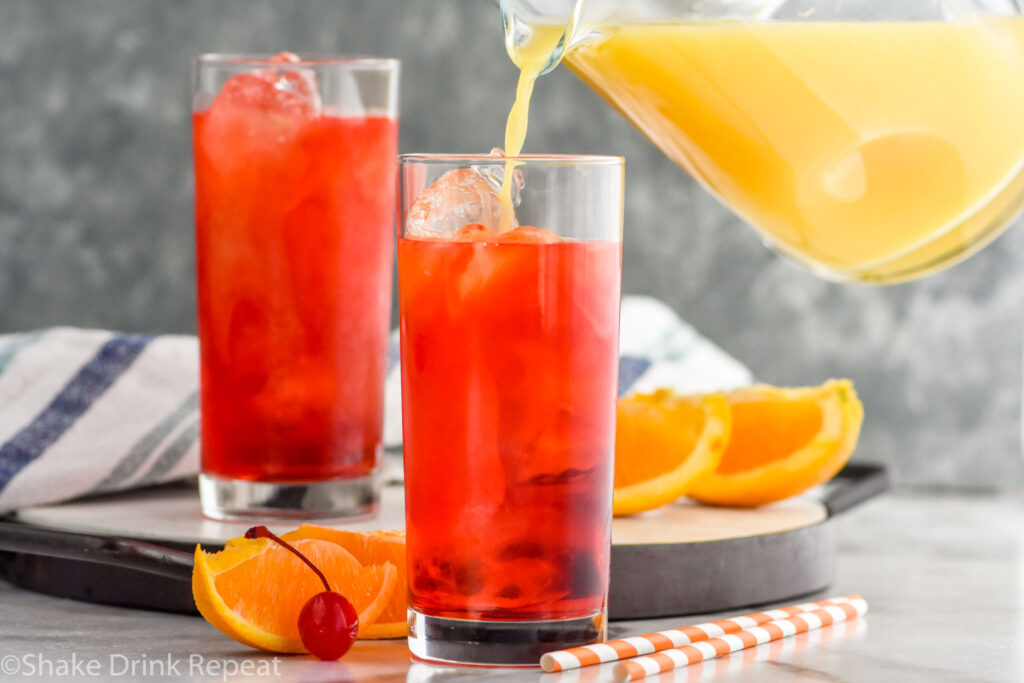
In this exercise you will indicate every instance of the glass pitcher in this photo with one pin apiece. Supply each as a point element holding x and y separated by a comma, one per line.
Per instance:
<point>871,141</point>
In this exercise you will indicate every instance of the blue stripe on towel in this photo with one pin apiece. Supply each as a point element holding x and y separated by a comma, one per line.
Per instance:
<point>142,449</point>
<point>91,380</point>
<point>172,455</point>
<point>631,368</point>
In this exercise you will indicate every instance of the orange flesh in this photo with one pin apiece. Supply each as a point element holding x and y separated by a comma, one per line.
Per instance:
<point>270,589</point>
<point>642,430</point>
<point>764,432</point>
<point>369,549</point>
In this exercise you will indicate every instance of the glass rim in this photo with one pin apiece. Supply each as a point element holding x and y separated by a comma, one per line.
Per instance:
<point>565,159</point>
<point>312,59</point>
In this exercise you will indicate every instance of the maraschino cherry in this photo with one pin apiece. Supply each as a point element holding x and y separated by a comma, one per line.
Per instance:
<point>328,622</point>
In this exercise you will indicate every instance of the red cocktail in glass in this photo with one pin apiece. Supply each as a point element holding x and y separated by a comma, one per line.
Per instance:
<point>294,221</point>
<point>509,374</point>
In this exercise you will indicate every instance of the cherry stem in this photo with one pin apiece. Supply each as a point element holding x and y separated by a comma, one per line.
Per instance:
<point>264,532</point>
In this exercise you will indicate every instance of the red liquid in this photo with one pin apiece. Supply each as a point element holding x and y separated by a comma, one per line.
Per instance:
<point>294,222</point>
<point>509,371</point>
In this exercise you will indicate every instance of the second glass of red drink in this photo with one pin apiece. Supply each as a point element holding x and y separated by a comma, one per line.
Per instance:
<point>509,322</point>
<point>295,198</point>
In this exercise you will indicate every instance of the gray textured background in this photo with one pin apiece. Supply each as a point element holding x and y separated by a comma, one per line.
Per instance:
<point>96,211</point>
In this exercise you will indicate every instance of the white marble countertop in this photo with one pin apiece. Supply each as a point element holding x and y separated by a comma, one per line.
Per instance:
<point>944,575</point>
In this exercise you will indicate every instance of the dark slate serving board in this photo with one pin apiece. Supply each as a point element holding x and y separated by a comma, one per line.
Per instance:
<point>135,549</point>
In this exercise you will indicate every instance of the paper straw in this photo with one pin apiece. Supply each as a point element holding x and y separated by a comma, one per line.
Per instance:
<point>614,650</point>
<point>676,658</point>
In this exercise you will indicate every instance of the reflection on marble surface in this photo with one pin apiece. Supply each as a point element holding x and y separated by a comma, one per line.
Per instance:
<point>717,669</point>
<point>944,576</point>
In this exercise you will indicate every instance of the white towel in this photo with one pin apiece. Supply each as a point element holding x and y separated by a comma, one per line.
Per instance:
<point>89,411</point>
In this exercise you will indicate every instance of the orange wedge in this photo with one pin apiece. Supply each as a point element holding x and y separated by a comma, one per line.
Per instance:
<point>375,547</point>
<point>783,442</point>
<point>664,443</point>
<point>254,589</point>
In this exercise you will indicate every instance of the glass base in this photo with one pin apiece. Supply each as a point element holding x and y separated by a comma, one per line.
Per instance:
<point>242,500</point>
<point>498,643</point>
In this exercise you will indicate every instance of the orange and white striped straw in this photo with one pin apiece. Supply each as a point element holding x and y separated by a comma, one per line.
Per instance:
<point>678,657</point>
<point>614,650</point>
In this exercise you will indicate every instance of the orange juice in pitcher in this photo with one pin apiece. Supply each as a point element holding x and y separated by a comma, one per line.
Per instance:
<point>870,150</point>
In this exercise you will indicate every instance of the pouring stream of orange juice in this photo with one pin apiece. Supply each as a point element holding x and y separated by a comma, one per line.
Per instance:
<point>532,57</point>
<point>869,150</point>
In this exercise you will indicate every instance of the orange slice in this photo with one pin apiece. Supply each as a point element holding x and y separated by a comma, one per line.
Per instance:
<point>783,442</point>
<point>254,589</point>
<point>664,443</point>
<point>370,548</point>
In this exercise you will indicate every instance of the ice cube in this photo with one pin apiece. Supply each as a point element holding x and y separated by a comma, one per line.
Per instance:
<point>288,92</point>
<point>458,198</point>
<point>474,232</point>
<point>299,81</point>
<point>253,93</point>
<point>285,58</point>
<point>583,577</point>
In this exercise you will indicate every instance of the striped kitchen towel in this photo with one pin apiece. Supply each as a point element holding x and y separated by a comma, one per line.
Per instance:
<point>88,411</point>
